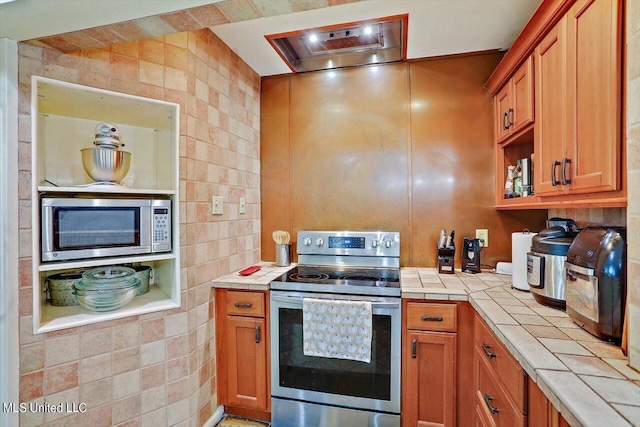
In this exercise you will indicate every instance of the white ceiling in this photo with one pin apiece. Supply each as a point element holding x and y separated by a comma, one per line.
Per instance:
<point>436,27</point>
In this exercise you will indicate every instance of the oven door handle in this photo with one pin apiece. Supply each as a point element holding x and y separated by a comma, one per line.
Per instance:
<point>298,299</point>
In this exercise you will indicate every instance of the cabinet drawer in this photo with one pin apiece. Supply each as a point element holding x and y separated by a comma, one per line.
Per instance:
<point>506,368</point>
<point>432,317</point>
<point>490,398</point>
<point>245,303</point>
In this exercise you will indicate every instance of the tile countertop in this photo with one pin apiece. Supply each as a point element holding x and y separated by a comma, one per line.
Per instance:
<point>586,379</point>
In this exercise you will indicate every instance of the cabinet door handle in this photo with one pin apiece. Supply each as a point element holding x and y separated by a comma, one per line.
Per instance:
<point>505,121</point>
<point>510,121</point>
<point>565,181</point>
<point>488,399</point>
<point>486,348</point>
<point>554,165</point>
<point>257,334</point>
<point>432,318</point>
<point>243,304</point>
<point>414,348</point>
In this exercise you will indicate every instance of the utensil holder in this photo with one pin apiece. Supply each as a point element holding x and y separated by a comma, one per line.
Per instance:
<point>446,259</point>
<point>283,255</point>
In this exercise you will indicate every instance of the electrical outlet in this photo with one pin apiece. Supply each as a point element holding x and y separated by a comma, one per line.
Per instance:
<point>217,205</point>
<point>243,205</point>
<point>483,235</point>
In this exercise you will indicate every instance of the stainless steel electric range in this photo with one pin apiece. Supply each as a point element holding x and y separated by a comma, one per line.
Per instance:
<point>328,392</point>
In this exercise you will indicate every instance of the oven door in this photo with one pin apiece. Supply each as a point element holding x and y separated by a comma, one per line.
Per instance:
<point>373,386</point>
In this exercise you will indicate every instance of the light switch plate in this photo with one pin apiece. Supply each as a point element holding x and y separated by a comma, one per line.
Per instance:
<point>217,205</point>
<point>243,205</point>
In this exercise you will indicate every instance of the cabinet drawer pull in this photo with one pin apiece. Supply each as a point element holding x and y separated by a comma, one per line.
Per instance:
<point>432,318</point>
<point>414,348</point>
<point>243,304</point>
<point>565,181</point>
<point>488,399</point>
<point>554,165</point>
<point>486,348</point>
<point>257,334</point>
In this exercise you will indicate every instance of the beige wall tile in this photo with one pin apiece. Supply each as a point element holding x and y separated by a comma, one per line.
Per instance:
<point>61,350</point>
<point>60,378</point>
<point>95,368</point>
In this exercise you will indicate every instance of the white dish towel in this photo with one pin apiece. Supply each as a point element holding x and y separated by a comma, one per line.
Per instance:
<point>338,329</point>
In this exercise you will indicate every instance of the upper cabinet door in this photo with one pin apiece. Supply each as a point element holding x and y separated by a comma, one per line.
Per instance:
<point>593,92</point>
<point>502,105</point>
<point>522,96</point>
<point>550,105</point>
<point>514,103</point>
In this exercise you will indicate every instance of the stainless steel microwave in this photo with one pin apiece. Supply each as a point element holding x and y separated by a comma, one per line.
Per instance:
<point>84,228</point>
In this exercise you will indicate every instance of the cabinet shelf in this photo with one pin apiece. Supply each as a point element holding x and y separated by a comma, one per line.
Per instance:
<point>106,190</point>
<point>63,119</point>
<point>66,265</point>
<point>54,318</point>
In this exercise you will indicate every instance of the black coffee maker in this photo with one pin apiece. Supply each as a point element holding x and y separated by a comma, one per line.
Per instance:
<point>471,255</point>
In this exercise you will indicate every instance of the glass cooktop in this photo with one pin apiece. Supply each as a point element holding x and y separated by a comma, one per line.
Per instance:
<point>347,280</point>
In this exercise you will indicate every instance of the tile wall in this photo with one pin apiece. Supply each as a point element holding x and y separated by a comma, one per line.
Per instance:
<point>155,369</point>
<point>633,165</point>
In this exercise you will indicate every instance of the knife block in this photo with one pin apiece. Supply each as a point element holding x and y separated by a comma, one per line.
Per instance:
<point>446,258</point>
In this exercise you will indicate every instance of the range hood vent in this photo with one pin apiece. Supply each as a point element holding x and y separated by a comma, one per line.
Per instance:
<point>345,45</point>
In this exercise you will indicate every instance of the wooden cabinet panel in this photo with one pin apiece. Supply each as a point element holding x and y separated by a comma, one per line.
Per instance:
<point>432,317</point>
<point>245,303</point>
<point>511,374</point>
<point>550,105</point>
<point>502,106</point>
<point>430,393</point>
<point>242,352</point>
<point>593,93</point>
<point>541,412</point>
<point>522,90</point>
<point>514,103</point>
<point>491,397</point>
<point>247,369</point>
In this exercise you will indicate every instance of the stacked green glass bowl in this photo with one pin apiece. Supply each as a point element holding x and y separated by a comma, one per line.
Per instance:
<point>106,288</point>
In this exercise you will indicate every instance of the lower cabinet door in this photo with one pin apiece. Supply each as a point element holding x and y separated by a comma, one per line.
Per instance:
<point>430,379</point>
<point>247,369</point>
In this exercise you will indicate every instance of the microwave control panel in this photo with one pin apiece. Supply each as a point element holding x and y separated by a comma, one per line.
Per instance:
<point>161,229</point>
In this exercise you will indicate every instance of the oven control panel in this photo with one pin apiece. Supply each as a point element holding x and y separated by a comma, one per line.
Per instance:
<point>360,243</point>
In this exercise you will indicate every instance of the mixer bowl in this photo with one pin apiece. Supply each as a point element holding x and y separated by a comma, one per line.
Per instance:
<point>106,164</point>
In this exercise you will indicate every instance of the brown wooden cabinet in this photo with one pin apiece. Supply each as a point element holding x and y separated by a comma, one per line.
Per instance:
<point>541,413</point>
<point>500,382</point>
<point>429,364</point>
<point>242,352</point>
<point>576,142</point>
<point>514,103</point>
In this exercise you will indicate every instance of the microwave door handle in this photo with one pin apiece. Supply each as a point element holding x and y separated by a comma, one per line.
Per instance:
<point>298,299</point>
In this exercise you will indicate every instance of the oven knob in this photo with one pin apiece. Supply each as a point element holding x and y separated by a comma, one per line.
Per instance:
<point>388,243</point>
<point>319,241</point>
<point>306,241</point>
<point>375,243</point>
